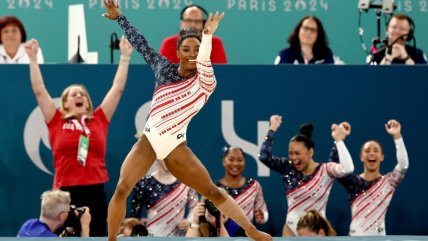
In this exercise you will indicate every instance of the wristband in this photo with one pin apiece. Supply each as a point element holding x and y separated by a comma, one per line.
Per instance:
<point>124,58</point>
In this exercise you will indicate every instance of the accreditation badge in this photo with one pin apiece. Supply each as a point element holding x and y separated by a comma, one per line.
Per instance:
<point>82,152</point>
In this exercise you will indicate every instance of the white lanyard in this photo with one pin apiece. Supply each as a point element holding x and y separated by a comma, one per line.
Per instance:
<point>81,126</point>
<point>83,148</point>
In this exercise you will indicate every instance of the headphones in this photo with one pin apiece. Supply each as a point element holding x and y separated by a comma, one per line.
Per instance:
<point>204,12</point>
<point>411,33</point>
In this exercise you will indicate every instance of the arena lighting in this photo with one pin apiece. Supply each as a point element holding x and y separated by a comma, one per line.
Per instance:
<point>387,6</point>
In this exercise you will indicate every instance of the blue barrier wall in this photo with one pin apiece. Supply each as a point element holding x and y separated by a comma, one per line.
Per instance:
<point>253,31</point>
<point>236,114</point>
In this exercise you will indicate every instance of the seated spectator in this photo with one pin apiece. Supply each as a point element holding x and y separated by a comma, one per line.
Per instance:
<point>12,41</point>
<point>308,44</point>
<point>400,29</point>
<point>132,227</point>
<point>55,211</point>
<point>193,17</point>
<point>312,223</point>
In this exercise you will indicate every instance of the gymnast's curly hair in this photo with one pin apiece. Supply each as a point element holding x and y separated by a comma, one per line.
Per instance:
<point>188,33</point>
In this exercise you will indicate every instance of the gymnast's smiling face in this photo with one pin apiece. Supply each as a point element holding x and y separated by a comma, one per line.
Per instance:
<point>187,53</point>
<point>372,156</point>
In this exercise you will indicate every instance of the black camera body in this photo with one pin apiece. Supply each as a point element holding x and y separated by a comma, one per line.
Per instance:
<point>139,230</point>
<point>72,226</point>
<point>80,210</point>
<point>211,209</point>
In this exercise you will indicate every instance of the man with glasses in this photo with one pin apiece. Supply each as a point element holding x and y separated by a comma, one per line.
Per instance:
<point>54,212</point>
<point>193,17</point>
<point>400,30</point>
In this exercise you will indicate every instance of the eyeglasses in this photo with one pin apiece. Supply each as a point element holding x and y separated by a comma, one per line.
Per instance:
<point>309,29</point>
<point>189,21</point>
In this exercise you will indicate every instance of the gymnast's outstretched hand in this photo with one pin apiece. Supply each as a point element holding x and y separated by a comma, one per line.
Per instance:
<point>212,23</point>
<point>112,7</point>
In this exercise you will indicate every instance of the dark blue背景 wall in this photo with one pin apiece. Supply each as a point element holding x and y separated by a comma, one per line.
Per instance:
<point>237,114</point>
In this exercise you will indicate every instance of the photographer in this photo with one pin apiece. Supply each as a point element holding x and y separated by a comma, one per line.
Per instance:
<point>55,210</point>
<point>207,221</point>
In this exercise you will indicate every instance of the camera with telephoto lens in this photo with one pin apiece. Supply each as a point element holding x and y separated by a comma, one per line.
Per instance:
<point>211,210</point>
<point>72,226</point>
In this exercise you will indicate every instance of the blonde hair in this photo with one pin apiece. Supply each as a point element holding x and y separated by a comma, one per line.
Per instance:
<point>64,97</point>
<point>313,220</point>
<point>54,202</point>
<point>207,230</point>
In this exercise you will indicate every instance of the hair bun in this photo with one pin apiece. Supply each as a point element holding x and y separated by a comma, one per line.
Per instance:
<point>306,130</point>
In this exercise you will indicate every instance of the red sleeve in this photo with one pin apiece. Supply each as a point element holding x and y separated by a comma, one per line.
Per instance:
<point>168,49</point>
<point>218,55</point>
<point>57,116</point>
<point>100,113</point>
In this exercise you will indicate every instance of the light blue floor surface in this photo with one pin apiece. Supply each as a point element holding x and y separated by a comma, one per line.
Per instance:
<point>341,238</point>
